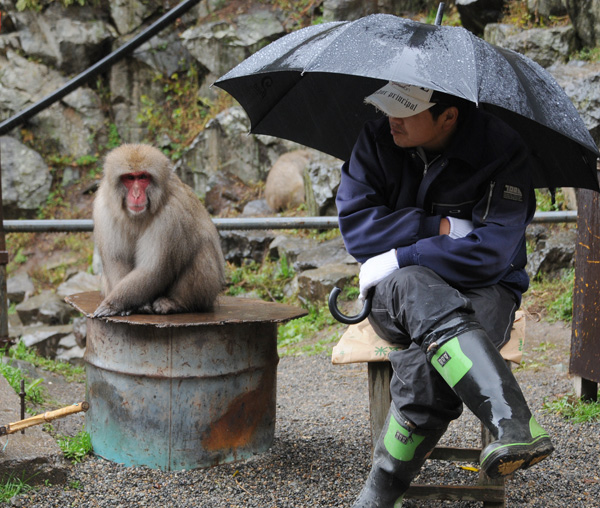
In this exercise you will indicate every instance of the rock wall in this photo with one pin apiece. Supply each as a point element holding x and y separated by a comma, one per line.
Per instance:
<point>40,51</point>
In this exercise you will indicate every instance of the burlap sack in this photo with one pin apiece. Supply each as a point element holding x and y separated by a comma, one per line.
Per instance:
<point>360,343</point>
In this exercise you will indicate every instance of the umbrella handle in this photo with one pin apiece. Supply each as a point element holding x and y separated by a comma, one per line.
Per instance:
<point>440,14</point>
<point>349,320</point>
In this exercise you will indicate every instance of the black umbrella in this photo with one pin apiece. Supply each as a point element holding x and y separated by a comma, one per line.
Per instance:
<point>310,85</point>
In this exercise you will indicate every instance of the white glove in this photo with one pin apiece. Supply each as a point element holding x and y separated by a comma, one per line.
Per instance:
<point>374,270</point>
<point>459,228</point>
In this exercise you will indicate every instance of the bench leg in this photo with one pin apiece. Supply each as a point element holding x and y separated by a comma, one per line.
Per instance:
<point>380,376</point>
<point>485,480</point>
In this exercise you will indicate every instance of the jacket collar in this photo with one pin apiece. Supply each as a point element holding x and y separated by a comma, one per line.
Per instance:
<point>468,141</point>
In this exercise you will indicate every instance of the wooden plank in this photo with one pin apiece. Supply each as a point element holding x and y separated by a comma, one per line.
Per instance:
<point>454,453</point>
<point>456,493</point>
<point>380,375</point>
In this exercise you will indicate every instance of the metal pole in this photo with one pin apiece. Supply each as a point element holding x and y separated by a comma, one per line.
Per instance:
<point>53,226</point>
<point>98,67</point>
<point>22,396</point>
<point>4,340</point>
<point>87,225</point>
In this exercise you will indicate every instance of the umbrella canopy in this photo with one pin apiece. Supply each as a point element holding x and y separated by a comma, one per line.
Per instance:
<point>309,87</point>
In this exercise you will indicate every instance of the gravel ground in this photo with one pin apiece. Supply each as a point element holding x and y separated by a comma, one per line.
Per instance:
<point>321,455</point>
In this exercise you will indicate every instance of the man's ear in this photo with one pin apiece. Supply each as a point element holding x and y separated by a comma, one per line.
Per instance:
<point>450,116</point>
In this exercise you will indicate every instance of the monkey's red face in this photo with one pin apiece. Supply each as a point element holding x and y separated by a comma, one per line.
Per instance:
<point>136,184</point>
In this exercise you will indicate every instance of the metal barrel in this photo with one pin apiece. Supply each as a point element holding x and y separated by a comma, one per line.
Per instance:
<point>180,397</point>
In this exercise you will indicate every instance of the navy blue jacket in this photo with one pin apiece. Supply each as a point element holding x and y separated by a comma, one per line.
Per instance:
<point>385,201</point>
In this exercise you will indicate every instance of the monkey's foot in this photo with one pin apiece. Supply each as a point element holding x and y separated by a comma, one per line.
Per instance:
<point>145,309</point>
<point>106,309</point>
<point>164,305</point>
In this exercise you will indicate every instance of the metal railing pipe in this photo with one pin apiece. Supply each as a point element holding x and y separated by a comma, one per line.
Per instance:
<point>86,225</point>
<point>98,67</point>
<point>555,217</point>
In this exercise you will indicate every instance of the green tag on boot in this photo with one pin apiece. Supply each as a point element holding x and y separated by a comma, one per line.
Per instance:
<point>399,442</point>
<point>450,361</point>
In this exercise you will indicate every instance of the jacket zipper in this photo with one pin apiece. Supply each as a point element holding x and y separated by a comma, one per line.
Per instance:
<point>489,201</point>
<point>421,154</point>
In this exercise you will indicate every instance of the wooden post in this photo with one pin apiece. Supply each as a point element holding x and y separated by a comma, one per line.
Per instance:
<point>584,363</point>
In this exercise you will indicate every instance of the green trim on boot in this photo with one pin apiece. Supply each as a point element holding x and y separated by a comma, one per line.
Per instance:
<point>478,374</point>
<point>397,458</point>
<point>500,458</point>
<point>399,442</point>
<point>451,362</point>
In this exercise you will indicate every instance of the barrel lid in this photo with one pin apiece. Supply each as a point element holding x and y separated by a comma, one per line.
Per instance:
<point>227,310</point>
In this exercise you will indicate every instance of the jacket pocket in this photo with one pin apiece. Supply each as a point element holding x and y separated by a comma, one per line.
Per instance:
<point>461,210</point>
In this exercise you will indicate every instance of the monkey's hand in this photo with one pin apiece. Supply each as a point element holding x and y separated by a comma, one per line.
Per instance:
<point>107,309</point>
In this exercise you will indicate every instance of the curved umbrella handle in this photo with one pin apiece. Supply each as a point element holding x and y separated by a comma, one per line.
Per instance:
<point>349,320</point>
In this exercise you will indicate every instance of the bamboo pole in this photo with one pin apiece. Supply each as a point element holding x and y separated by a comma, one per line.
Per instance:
<point>43,418</point>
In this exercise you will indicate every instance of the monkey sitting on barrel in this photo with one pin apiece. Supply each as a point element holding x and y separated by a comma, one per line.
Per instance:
<point>160,250</point>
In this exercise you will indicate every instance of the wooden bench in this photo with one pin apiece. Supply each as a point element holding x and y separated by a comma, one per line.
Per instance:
<point>360,344</point>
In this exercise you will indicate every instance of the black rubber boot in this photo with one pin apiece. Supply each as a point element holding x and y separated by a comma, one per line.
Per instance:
<point>478,374</point>
<point>400,452</point>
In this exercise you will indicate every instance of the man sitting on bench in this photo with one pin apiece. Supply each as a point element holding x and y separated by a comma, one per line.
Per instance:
<point>434,203</point>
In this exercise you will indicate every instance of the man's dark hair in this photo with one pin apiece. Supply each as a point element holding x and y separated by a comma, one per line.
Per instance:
<point>443,101</point>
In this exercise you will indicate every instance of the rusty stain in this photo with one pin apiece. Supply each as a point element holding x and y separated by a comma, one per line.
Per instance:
<point>236,428</point>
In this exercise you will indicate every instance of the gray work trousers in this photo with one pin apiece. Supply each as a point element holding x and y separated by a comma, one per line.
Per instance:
<point>410,304</point>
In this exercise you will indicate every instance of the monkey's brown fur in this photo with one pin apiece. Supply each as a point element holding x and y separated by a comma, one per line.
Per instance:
<point>166,259</point>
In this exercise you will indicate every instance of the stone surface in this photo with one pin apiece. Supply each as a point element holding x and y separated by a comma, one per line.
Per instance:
<point>331,251</point>
<point>546,46</point>
<point>317,283</point>
<point>19,288</point>
<point>47,308</point>
<point>243,246</point>
<point>34,456</point>
<point>553,252</point>
<point>585,16</point>
<point>45,339</point>
<point>79,283</point>
<point>25,178</point>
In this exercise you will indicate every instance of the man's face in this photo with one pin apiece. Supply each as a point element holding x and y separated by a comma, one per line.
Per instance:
<point>419,130</point>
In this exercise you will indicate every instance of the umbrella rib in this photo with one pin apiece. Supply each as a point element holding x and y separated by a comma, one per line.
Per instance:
<point>336,26</point>
<point>477,67</point>
<point>343,26</point>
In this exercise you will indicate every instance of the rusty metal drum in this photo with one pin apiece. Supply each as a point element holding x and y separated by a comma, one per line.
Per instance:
<point>182,391</point>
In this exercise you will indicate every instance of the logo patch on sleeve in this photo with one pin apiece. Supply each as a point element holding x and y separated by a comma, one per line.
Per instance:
<point>513,193</point>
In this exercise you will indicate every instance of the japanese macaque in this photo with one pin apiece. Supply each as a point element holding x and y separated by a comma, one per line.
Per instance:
<point>160,250</point>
